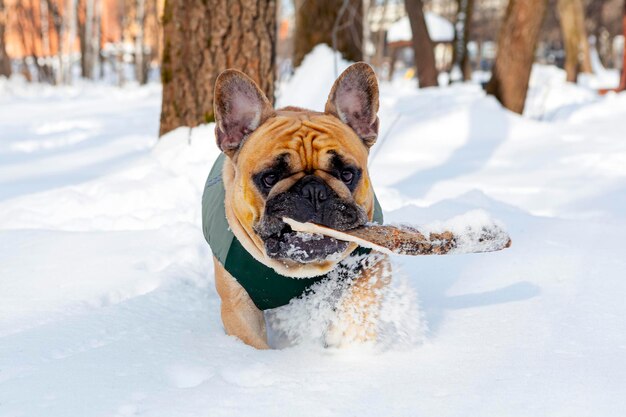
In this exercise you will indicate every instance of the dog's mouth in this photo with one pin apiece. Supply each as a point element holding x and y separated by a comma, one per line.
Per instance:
<point>303,247</point>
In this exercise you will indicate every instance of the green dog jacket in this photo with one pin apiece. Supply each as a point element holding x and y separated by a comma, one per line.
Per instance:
<point>266,287</point>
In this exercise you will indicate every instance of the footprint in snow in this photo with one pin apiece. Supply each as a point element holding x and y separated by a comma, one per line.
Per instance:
<point>255,375</point>
<point>188,376</point>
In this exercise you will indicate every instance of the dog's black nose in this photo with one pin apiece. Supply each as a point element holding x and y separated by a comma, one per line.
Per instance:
<point>314,190</point>
<point>350,216</point>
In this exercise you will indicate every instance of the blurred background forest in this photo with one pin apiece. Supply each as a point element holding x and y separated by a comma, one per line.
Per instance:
<point>185,44</point>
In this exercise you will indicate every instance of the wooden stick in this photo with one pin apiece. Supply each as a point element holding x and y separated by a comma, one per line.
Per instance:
<point>406,240</point>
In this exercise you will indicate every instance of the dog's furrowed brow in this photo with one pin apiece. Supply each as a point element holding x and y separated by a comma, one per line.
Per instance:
<point>280,169</point>
<point>339,165</point>
<point>337,162</point>
<point>280,164</point>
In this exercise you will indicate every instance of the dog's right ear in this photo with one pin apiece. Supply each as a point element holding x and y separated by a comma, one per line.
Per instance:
<point>240,107</point>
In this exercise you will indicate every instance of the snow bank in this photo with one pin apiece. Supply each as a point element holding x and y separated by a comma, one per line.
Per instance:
<point>483,146</point>
<point>310,84</point>
<point>550,97</point>
<point>439,29</point>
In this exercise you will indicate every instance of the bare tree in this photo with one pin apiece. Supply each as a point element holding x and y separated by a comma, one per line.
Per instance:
<point>89,34</point>
<point>337,23</point>
<point>140,67</point>
<point>622,84</point>
<point>29,34</point>
<point>71,20</point>
<point>31,22</point>
<point>57,23</point>
<point>422,45</point>
<point>119,47</point>
<point>83,24</point>
<point>95,39</point>
<point>379,37</point>
<point>67,33</point>
<point>5,61</point>
<point>203,38</point>
<point>90,39</point>
<point>516,52</point>
<point>464,22</point>
<point>44,17</point>
<point>156,35</point>
<point>577,56</point>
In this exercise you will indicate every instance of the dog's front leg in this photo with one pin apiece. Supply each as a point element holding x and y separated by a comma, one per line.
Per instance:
<point>359,308</point>
<point>241,318</point>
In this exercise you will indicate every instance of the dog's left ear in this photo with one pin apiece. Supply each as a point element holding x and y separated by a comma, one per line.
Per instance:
<point>354,100</point>
<point>240,107</point>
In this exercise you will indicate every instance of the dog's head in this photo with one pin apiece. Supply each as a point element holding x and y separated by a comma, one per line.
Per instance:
<point>297,163</point>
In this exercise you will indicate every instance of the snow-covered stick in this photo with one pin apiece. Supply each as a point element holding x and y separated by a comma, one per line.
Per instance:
<point>408,240</point>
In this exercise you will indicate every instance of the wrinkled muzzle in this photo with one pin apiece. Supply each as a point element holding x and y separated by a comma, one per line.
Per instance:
<point>309,200</point>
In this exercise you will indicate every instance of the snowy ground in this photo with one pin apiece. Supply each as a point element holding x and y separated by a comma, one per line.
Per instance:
<point>107,306</point>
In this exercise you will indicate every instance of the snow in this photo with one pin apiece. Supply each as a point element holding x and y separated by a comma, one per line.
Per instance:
<point>307,86</point>
<point>316,320</point>
<point>107,305</point>
<point>475,232</point>
<point>439,29</point>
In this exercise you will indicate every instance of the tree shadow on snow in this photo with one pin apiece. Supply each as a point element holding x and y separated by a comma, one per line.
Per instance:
<point>432,278</point>
<point>488,128</point>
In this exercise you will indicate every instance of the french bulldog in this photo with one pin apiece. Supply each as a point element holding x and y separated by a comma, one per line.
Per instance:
<point>306,165</point>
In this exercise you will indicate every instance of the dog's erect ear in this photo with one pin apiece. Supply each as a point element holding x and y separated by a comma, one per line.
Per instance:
<point>354,100</point>
<point>240,107</point>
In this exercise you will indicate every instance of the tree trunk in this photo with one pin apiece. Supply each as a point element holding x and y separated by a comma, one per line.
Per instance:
<point>585,51</point>
<point>157,34</point>
<point>90,39</point>
<point>24,20</point>
<point>119,46</point>
<point>337,23</point>
<point>393,57</point>
<point>81,22</point>
<point>52,8</point>
<point>203,38</point>
<point>44,17</point>
<point>378,58</point>
<point>622,84</point>
<point>5,61</point>
<point>94,40</point>
<point>577,55</point>
<point>140,71</point>
<point>422,46</point>
<point>45,28</point>
<point>87,38</point>
<point>69,23</point>
<point>463,32</point>
<point>516,52</point>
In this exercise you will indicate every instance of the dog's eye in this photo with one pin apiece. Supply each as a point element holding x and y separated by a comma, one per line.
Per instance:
<point>269,180</point>
<point>347,176</point>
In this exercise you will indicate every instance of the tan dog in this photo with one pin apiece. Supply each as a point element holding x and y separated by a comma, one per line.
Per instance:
<point>293,163</point>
